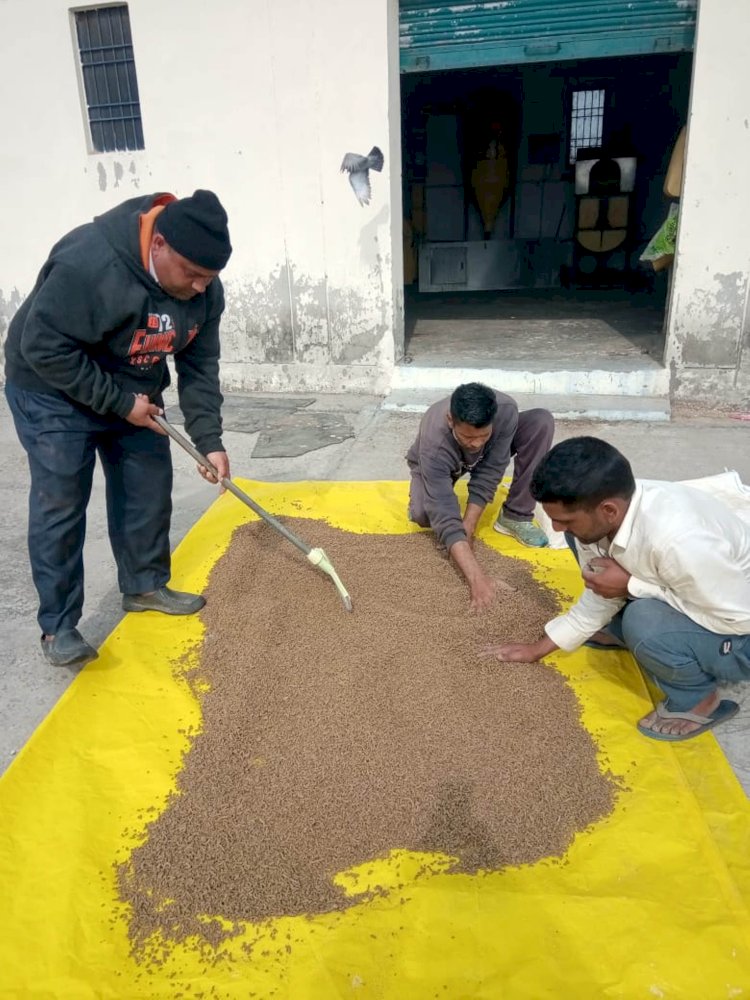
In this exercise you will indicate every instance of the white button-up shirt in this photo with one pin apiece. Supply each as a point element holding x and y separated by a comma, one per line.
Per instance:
<point>681,546</point>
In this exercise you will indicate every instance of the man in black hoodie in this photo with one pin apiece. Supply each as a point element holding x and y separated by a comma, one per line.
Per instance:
<point>85,366</point>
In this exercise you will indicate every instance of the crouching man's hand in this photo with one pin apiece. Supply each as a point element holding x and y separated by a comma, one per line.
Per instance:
<point>519,652</point>
<point>606,578</point>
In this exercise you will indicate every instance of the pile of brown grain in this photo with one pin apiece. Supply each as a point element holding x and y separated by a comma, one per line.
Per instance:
<point>331,738</point>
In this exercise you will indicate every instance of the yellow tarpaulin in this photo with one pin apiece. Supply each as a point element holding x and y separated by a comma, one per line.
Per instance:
<point>651,902</point>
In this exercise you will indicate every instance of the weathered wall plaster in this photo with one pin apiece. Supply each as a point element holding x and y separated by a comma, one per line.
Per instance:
<point>8,305</point>
<point>279,93</point>
<point>707,346</point>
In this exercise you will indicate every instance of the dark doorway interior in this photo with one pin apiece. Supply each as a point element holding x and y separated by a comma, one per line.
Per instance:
<point>529,194</point>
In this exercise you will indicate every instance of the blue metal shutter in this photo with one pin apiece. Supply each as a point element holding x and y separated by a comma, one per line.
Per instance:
<point>452,35</point>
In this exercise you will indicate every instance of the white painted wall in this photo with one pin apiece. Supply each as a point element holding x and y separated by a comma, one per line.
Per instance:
<point>708,322</point>
<point>258,101</point>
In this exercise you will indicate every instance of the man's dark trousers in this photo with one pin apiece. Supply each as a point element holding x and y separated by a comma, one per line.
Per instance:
<point>62,441</point>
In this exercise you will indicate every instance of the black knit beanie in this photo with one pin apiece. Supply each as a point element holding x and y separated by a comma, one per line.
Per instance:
<point>196,227</point>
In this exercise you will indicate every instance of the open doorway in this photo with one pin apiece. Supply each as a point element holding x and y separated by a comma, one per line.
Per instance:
<point>529,195</point>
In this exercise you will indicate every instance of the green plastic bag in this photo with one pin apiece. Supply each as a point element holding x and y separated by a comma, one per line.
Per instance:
<point>662,244</point>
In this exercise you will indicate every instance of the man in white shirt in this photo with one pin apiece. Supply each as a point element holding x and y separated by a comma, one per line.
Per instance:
<point>667,575</point>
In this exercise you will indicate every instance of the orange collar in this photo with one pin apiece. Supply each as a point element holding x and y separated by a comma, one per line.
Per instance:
<point>146,225</point>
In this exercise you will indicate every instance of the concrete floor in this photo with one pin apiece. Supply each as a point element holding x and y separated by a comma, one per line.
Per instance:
<point>267,439</point>
<point>564,328</point>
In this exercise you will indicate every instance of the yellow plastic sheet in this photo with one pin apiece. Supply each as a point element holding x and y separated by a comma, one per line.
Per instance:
<point>651,902</point>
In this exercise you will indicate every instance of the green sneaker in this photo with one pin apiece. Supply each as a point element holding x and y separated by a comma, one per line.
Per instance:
<point>525,532</point>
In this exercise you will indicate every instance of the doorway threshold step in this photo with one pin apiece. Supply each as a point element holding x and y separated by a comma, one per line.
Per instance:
<point>573,406</point>
<point>641,377</point>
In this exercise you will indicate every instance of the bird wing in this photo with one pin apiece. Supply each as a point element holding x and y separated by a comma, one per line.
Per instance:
<point>360,182</point>
<point>353,161</point>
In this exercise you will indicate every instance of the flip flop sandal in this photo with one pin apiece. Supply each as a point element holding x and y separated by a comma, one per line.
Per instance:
<point>724,710</point>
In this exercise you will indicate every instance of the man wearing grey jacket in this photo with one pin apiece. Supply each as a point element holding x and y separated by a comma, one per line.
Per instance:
<point>476,431</point>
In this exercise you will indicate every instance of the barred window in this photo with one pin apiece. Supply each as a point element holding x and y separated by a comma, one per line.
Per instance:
<point>586,120</point>
<point>105,46</point>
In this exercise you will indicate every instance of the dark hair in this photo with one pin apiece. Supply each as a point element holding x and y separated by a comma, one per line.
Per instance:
<point>474,404</point>
<point>581,472</point>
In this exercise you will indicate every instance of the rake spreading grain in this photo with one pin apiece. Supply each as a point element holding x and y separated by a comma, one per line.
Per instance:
<point>331,738</point>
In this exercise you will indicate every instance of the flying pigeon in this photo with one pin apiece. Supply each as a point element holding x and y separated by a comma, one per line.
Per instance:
<point>358,168</point>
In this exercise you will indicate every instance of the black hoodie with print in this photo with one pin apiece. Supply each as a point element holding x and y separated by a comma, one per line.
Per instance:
<point>97,327</point>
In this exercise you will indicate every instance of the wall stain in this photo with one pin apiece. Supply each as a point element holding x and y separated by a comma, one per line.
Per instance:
<point>310,319</point>
<point>294,318</point>
<point>8,308</point>
<point>368,238</point>
<point>257,323</point>
<point>102,173</point>
<point>713,338</point>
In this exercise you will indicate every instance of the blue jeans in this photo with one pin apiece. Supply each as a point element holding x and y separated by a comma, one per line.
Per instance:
<point>62,441</point>
<point>684,659</point>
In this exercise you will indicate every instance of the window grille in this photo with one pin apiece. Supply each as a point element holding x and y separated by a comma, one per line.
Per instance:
<point>586,120</point>
<point>109,82</point>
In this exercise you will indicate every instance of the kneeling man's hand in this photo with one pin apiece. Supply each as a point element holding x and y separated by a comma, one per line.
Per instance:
<point>483,591</point>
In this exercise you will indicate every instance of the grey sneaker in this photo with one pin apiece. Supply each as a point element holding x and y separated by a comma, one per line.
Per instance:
<point>67,648</point>
<point>525,532</point>
<point>169,602</point>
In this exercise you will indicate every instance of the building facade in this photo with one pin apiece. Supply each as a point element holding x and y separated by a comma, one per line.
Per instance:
<point>261,101</point>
